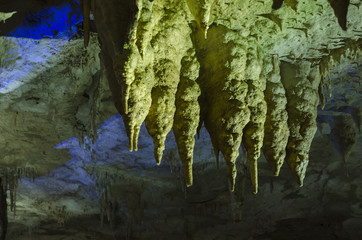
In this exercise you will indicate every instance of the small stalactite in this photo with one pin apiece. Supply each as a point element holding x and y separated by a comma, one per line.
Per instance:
<point>9,180</point>
<point>254,131</point>
<point>351,49</point>
<point>206,13</point>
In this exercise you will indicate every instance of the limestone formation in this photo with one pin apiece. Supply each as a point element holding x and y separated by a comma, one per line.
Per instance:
<point>276,124</point>
<point>254,130</point>
<point>301,83</point>
<point>174,64</point>
<point>187,113</point>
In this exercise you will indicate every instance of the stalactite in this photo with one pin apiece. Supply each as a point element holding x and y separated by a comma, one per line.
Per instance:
<point>138,100</point>
<point>10,180</point>
<point>351,49</point>
<point>301,83</point>
<point>276,124</point>
<point>206,8</point>
<point>187,113</point>
<point>224,91</point>
<point>159,121</point>
<point>144,28</point>
<point>254,131</point>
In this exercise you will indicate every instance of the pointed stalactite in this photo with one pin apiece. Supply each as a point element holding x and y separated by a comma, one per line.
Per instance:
<point>206,8</point>
<point>86,7</point>
<point>223,99</point>
<point>138,98</point>
<point>254,131</point>
<point>350,50</point>
<point>276,131</point>
<point>138,75</point>
<point>118,17</point>
<point>159,120</point>
<point>3,210</point>
<point>301,82</point>
<point>340,8</point>
<point>187,113</point>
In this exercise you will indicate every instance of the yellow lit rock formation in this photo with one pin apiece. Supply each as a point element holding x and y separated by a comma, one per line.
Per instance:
<point>230,65</point>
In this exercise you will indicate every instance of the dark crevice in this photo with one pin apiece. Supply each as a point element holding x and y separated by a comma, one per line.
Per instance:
<point>3,211</point>
<point>277,4</point>
<point>340,8</point>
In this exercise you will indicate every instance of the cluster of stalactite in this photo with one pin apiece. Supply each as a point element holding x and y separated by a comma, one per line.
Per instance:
<point>344,132</point>
<point>351,49</point>
<point>178,74</point>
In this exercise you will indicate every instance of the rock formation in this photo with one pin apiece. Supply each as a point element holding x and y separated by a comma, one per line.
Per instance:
<point>243,100</point>
<point>249,79</point>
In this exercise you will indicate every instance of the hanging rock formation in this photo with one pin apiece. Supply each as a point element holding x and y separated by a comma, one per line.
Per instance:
<point>182,64</point>
<point>276,131</point>
<point>301,83</point>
